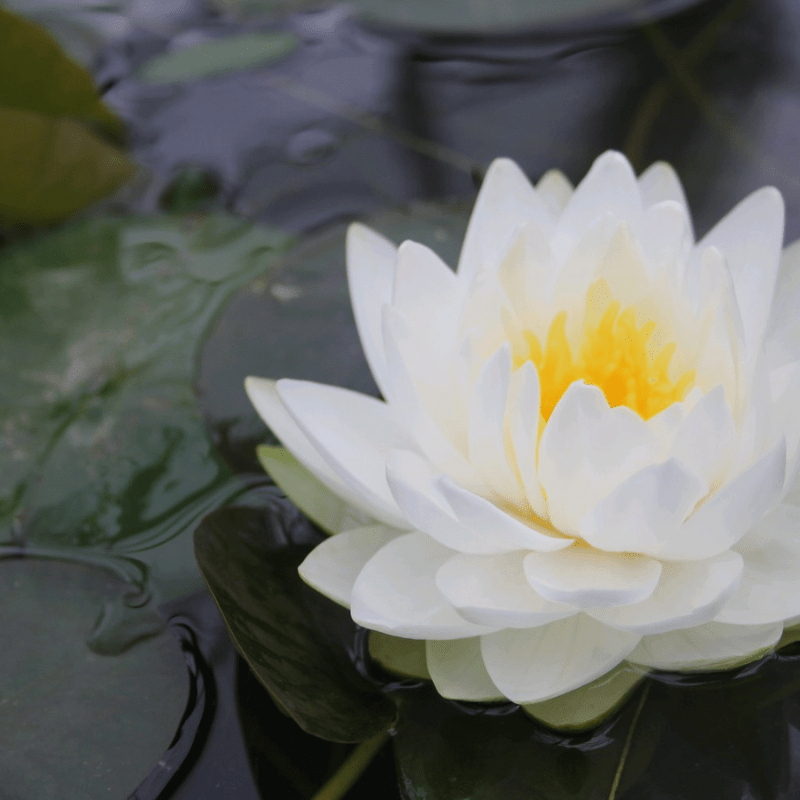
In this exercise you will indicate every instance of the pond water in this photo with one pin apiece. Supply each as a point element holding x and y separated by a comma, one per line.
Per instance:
<point>262,127</point>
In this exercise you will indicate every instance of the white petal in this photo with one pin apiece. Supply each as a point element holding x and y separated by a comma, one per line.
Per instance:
<point>665,234</point>
<point>623,267</point>
<point>536,664</point>
<point>713,645</point>
<point>334,564</point>
<point>263,395</point>
<point>642,512</point>
<point>706,440</point>
<point>729,513</point>
<point>396,592</point>
<point>784,417</point>
<point>666,423</point>
<point>783,334</point>
<point>588,578</point>
<point>429,411</point>
<point>487,432</point>
<point>688,594</point>
<point>555,189</point>
<point>609,186</point>
<point>413,483</point>
<point>492,590</point>
<point>770,588</point>
<point>457,670</point>
<point>484,517</point>
<point>505,202</point>
<point>586,450</point>
<point>354,434</point>
<point>370,273</point>
<point>751,237</point>
<point>659,183</point>
<point>523,421</point>
<point>423,283</point>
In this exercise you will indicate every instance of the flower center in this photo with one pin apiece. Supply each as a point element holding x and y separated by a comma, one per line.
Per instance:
<point>612,354</point>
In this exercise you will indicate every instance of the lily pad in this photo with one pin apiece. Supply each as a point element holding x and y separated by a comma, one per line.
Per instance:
<point>219,57</point>
<point>74,723</point>
<point>103,454</point>
<point>250,565</point>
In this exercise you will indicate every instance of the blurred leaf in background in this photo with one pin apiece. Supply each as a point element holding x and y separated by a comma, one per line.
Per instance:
<point>55,153</point>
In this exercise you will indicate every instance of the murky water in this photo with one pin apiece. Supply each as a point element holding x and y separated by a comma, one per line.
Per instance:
<point>339,116</point>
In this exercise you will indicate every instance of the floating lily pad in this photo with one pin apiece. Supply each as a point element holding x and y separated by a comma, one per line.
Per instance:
<point>219,57</point>
<point>250,565</point>
<point>74,723</point>
<point>103,454</point>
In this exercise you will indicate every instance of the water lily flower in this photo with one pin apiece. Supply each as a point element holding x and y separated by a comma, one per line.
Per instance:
<point>588,441</point>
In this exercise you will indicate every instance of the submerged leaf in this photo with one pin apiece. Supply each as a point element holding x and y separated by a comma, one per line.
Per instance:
<point>255,583</point>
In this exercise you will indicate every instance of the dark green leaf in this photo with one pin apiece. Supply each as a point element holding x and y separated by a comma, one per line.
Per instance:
<point>251,571</point>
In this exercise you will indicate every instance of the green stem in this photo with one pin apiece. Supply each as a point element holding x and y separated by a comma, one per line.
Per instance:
<point>342,780</point>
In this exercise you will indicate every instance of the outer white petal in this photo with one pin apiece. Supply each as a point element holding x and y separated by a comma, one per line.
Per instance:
<point>713,645</point>
<point>396,592</point>
<point>413,484</point>
<point>751,237</point>
<point>492,590</point>
<point>487,430</point>
<point>555,189</point>
<point>433,419</point>
<point>354,434</point>
<point>642,512</point>
<point>457,670</point>
<point>727,515</point>
<point>334,564</point>
<point>523,422</point>
<point>659,183</point>
<point>770,588</point>
<point>263,395</point>
<point>505,202</point>
<point>588,578</point>
<point>484,517</point>
<point>783,334</point>
<point>540,663</point>
<point>586,450</point>
<point>706,439</point>
<point>784,417</point>
<point>609,186</point>
<point>688,594</point>
<point>665,234</point>
<point>370,273</point>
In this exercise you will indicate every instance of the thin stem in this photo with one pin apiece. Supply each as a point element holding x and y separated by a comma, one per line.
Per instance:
<point>343,779</point>
<point>627,746</point>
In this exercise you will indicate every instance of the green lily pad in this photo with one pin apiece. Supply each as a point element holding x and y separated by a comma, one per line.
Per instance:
<point>250,566</point>
<point>103,453</point>
<point>219,57</point>
<point>74,723</point>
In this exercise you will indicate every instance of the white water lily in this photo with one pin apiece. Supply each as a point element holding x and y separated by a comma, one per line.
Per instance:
<point>588,439</point>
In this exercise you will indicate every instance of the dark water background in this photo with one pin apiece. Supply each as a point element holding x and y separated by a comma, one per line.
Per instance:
<point>360,118</point>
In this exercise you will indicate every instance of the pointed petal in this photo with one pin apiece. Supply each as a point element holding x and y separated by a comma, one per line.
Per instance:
<point>688,594</point>
<point>659,183</point>
<point>642,512</point>
<point>783,333</point>
<point>505,202</point>
<point>555,188</point>
<point>413,484</point>
<point>484,517</point>
<point>665,233</point>
<point>492,590</point>
<point>523,421</point>
<point>263,395</point>
<point>396,593</point>
<point>533,665</point>
<point>729,513</point>
<point>457,670</point>
<point>354,434</point>
<point>588,578</point>
<point>713,645</point>
<point>770,587</point>
<point>609,186</point>
<point>586,450</point>
<point>370,272</point>
<point>334,564</point>
<point>751,237</point>
<point>487,432</point>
